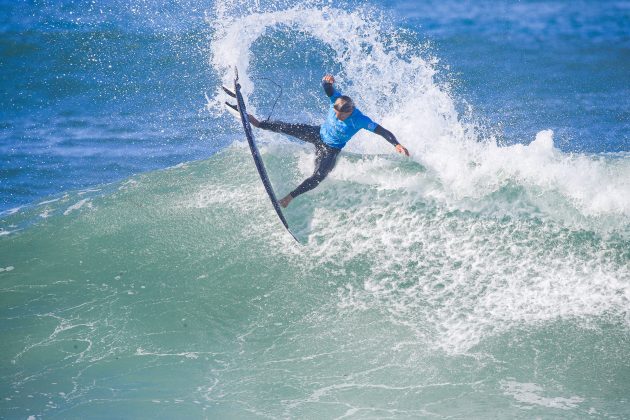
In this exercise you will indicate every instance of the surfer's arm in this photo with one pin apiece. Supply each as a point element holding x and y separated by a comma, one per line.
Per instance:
<point>327,84</point>
<point>328,88</point>
<point>389,136</point>
<point>386,134</point>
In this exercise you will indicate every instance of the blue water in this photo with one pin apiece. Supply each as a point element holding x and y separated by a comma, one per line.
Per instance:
<point>143,273</point>
<point>94,93</point>
<point>525,65</point>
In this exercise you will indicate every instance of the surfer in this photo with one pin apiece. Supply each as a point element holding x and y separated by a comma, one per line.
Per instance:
<point>343,121</point>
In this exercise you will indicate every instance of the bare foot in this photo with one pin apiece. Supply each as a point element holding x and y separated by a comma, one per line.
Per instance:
<point>285,201</point>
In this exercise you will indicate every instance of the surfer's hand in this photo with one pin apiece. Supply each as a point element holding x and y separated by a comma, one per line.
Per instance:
<point>329,78</point>
<point>402,149</point>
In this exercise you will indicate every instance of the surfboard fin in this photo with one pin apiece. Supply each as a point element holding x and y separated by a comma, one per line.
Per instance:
<point>229,92</point>
<point>233,109</point>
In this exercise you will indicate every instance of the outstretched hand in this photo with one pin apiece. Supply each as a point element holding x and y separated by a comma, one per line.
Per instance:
<point>329,78</point>
<point>402,149</point>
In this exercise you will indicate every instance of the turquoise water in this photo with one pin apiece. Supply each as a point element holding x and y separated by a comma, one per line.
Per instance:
<point>175,294</point>
<point>144,274</point>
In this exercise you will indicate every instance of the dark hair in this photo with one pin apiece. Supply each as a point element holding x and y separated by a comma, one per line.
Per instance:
<point>344,104</point>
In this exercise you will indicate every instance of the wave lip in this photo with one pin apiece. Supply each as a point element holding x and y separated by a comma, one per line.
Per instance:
<point>396,84</point>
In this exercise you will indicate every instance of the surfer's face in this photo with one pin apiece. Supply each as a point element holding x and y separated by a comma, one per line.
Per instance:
<point>343,107</point>
<point>342,115</point>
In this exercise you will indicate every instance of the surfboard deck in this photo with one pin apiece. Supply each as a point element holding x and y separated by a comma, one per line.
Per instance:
<point>260,166</point>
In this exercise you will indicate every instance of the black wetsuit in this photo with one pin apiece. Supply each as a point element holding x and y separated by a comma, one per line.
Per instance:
<point>325,155</point>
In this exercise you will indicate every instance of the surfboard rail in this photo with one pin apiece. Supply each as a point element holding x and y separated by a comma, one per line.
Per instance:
<point>260,166</point>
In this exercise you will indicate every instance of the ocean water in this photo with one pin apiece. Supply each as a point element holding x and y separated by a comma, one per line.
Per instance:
<point>144,274</point>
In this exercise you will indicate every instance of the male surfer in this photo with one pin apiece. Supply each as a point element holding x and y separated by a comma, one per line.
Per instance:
<point>343,121</point>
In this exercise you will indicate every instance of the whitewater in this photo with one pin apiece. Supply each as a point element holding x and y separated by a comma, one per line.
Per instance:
<point>476,279</point>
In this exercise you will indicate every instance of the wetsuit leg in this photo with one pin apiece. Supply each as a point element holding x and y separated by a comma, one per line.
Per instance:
<point>304,132</point>
<point>324,163</point>
<point>325,156</point>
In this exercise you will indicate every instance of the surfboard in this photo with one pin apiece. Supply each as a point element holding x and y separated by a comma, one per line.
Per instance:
<point>260,166</point>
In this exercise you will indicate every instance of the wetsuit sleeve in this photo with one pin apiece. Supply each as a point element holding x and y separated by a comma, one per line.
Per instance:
<point>331,92</point>
<point>387,135</point>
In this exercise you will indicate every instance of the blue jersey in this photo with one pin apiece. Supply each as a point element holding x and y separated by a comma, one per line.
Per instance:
<point>337,133</point>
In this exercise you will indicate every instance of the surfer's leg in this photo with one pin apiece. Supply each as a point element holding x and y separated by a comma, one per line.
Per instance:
<point>326,164</point>
<point>304,132</point>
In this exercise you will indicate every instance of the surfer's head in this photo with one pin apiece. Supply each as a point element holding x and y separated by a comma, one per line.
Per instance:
<point>343,107</point>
